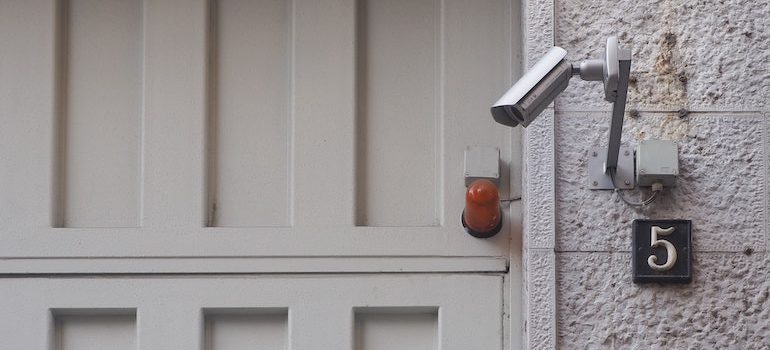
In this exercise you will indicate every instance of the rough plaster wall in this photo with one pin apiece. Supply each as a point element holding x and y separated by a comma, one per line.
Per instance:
<point>696,53</point>
<point>720,187</point>
<point>711,60</point>
<point>725,307</point>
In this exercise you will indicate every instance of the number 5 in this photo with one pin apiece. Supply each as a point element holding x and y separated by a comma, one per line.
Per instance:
<point>670,250</point>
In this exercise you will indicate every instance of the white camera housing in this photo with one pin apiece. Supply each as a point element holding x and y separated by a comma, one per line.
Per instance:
<point>537,88</point>
<point>529,96</point>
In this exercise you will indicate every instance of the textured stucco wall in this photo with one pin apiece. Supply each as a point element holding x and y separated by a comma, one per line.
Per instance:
<point>710,59</point>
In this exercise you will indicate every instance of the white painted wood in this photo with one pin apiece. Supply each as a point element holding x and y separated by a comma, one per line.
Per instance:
<point>25,325</point>
<point>477,65</point>
<point>167,316</point>
<point>134,186</point>
<point>333,330</point>
<point>94,332</point>
<point>399,74</point>
<point>322,140</point>
<point>100,112</point>
<point>175,115</point>
<point>514,284</point>
<point>249,113</point>
<point>239,329</point>
<point>386,329</point>
<point>202,242</point>
<point>210,265</point>
<point>323,122</point>
<point>27,114</point>
<point>170,311</point>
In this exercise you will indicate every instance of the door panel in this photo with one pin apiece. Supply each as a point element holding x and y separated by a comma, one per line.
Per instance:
<point>249,100</point>
<point>94,331</point>
<point>323,132</point>
<point>100,108</point>
<point>396,329</point>
<point>217,174</point>
<point>403,312</point>
<point>398,116</point>
<point>174,119</point>
<point>248,329</point>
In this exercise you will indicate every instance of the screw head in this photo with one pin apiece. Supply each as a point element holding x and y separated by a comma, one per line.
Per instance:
<point>594,154</point>
<point>596,183</point>
<point>626,153</point>
<point>627,182</point>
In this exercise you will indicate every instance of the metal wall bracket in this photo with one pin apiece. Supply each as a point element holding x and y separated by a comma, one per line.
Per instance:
<point>599,177</point>
<point>613,158</point>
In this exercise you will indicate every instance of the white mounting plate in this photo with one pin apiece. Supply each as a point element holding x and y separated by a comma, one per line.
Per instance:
<point>599,180</point>
<point>482,162</point>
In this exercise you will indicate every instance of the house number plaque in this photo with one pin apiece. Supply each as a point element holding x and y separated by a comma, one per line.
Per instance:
<point>662,251</point>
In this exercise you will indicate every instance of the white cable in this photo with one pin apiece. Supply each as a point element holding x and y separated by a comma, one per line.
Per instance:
<point>656,188</point>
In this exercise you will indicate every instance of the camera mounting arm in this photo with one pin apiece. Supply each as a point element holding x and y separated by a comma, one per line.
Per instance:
<point>623,60</point>
<point>614,70</point>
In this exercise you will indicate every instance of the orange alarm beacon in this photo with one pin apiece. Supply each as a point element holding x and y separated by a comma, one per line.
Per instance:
<point>482,217</point>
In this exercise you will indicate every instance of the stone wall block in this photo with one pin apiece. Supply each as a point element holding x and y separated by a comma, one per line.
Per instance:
<point>725,307</point>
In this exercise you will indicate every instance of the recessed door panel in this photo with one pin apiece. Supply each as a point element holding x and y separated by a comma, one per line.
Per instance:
<point>100,71</point>
<point>94,331</point>
<point>398,74</point>
<point>246,329</point>
<point>249,113</point>
<point>399,328</point>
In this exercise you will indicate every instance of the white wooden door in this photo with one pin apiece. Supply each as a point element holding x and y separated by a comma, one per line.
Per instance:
<point>261,174</point>
<point>448,312</point>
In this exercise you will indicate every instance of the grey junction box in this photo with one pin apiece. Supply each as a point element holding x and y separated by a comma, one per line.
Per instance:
<point>657,161</point>
<point>482,162</point>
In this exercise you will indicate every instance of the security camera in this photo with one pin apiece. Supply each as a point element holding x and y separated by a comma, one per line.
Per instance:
<point>537,88</point>
<point>529,96</point>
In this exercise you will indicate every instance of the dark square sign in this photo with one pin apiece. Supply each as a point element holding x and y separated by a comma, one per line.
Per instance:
<point>662,251</point>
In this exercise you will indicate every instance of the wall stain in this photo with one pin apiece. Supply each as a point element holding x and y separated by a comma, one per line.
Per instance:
<point>671,81</point>
<point>632,80</point>
<point>665,82</point>
<point>670,127</point>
